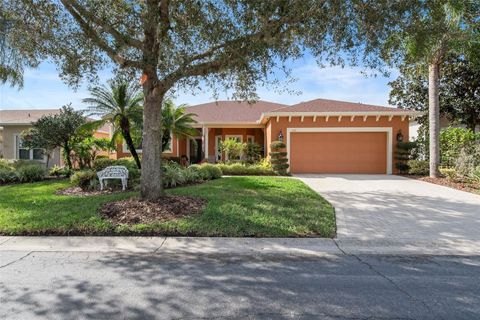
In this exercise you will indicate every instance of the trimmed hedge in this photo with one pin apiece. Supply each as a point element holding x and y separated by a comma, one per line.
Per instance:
<point>31,173</point>
<point>238,169</point>
<point>418,167</point>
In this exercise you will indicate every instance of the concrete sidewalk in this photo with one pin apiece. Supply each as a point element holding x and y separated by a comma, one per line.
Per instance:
<point>239,246</point>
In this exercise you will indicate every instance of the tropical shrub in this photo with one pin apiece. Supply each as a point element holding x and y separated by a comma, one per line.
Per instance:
<point>449,173</point>
<point>5,164</point>
<point>7,175</point>
<point>278,158</point>
<point>253,152</point>
<point>31,173</point>
<point>233,149</point>
<point>57,171</point>
<point>418,167</point>
<point>466,163</point>
<point>85,179</point>
<point>453,141</point>
<point>235,169</point>
<point>173,174</point>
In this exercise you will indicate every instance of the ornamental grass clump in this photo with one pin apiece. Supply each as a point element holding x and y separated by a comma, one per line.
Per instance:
<point>278,158</point>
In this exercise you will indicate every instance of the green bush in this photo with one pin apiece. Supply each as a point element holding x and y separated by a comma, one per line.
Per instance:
<point>85,179</point>
<point>7,175</point>
<point>475,175</point>
<point>5,164</point>
<point>453,141</point>
<point>31,173</point>
<point>190,175</point>
<point>278,158</point>
<point>449,173</point>
<point>17,164</point>
<point>418,167</point>
<point>238,169</point>
<point>57,171</point>
<point>173,174</point>
<point>210,171</point>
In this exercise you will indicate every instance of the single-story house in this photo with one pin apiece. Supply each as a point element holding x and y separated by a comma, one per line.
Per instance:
<point>321,136</point>
<point>13,122</point>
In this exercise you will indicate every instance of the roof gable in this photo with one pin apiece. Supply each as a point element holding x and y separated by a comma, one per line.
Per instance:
<point>12,117</point>
<point>232,111</point>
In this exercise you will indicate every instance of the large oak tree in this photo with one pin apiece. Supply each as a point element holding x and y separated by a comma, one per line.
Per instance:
<point>176,44</point>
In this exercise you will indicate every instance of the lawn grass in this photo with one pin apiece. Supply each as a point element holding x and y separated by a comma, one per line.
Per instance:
<point>237,207</point>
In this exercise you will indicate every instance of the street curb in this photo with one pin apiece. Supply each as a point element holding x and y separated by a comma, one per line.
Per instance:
<point>316,247</point>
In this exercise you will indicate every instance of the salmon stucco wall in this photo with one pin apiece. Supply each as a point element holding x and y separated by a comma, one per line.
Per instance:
<point>273,126</point>
<point>123,153</point>
<point>257,133</point>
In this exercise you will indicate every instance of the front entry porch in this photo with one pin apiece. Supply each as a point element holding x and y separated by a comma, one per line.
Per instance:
<point>206,146</point>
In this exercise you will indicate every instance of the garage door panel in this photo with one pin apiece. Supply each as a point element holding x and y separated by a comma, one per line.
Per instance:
<point>338,152</point>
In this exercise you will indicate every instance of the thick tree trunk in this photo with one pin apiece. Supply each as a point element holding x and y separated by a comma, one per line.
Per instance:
<point>434,117</point>
<point>68,159</point>
<point>151,181</point>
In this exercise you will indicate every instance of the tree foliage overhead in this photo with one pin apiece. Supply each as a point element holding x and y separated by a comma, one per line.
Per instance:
<point>240,41</point>
<point>234,44</point>
<point>459,91</point>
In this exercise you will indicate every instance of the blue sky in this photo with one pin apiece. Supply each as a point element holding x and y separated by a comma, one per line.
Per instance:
<point>43,89</point>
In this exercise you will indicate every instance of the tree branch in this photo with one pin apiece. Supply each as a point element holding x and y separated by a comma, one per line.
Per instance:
<point>164,18</point>
<point>101,43</point>
<point>119,37</point>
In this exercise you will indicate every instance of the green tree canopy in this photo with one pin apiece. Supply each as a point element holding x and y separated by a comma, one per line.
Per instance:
<point>57,131</point>
<point>179,44</point>
<point>459,91</point>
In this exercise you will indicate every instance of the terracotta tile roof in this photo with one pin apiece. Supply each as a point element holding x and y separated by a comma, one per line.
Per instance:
<point>24,116</point>
<point>232,111</point>
<point>324,105</point>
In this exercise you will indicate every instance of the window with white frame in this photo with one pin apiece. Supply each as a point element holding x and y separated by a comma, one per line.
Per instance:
<point>23,153</point>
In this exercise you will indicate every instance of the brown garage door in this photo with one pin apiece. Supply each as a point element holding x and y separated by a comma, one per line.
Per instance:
<point>338,152</point>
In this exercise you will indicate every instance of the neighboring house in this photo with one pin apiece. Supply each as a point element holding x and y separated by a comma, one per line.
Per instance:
<point>13,122</point>
<point>322,136</point>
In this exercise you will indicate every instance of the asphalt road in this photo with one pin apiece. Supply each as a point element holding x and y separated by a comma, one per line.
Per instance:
<point>81,285</point>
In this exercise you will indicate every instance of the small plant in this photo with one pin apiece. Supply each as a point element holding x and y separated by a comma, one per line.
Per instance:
<point>403,154</point>
<point>278,158</point>
<point>449,173</point>
<point>85,179</point>
<point>31,173</point>
<point>233,149</point>
<point>210,171</point>
<point>253,152</point>
<point>57,171</point>
<point>173,174</point>
<point>418,167</point>
<point>7,175</point>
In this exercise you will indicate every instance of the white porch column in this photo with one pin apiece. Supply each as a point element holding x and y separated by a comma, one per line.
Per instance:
<point>205,141</point>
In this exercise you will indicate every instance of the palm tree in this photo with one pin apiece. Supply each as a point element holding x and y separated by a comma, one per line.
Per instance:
<point>442,27</point>
<point>120,105</point>
<point>176,121</point>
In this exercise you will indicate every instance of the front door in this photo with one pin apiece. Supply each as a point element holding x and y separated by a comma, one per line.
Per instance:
<point>195,146</point>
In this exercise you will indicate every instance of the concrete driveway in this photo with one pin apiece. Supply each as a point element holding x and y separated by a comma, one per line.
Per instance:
<point>372,207</point>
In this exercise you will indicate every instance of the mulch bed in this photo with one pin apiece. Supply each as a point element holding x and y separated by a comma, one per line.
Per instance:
<point>77,191</point>
<point>135,210</point>
<point>449,183</point>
